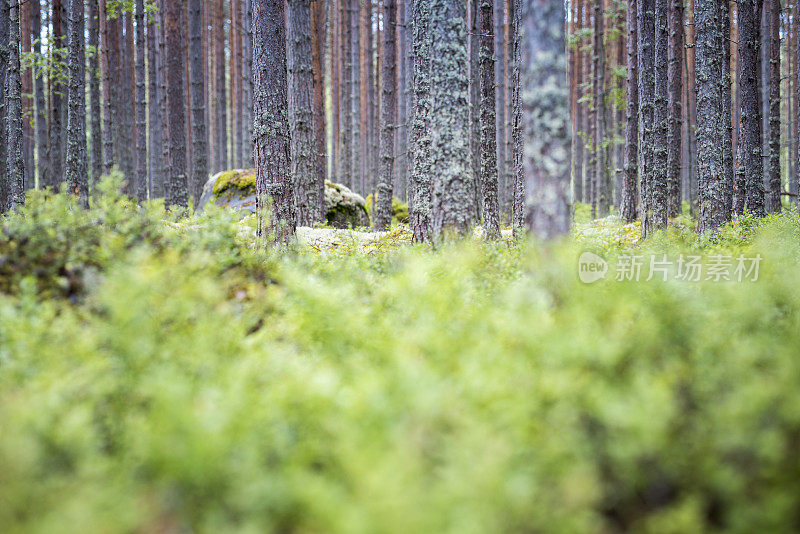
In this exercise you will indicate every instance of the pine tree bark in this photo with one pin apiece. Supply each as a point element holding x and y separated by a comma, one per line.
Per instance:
<point>646,57</point>
<point>28,135</point>
<point>367,90</point>
<point>545,117</point>
<point>345,95</point>
<point>750,172</point>
<point>773,197</point>
<point>656,218</point>
<point>420,141</point>
<point>403,76</point>
<point>320,140</point>
<point>475,114</point>
<point>726,107</point>
<point>271,127</point>
<point>164,104</point>
<point>236,82</point>
<point>198,99</point>
<point>601,200</point>
<point>141,106</point>
<point>5,185</point>
<point>383,204</point>
<point>77,177</point>
<point>95,131</point>
<point>15,163</point>
<point>57,94</point>
<point>500,99</point>
<point>155,167</point>
<point>221,107</point>
<point>301,112</point>
<point>176,184</point>
<point>675,83</point>
<point>709,41</point>
<point>519,195</point>
<point>576,60</point>
<point>247,83</point>
<point>355,97</point>
<point>127,103</point>
<point>450,119</point>
<point>630,189</point>
<point>489,179</point>
<point>108,68</point>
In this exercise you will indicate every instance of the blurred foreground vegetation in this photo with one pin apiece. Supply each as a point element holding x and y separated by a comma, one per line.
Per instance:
<point>160,374</point>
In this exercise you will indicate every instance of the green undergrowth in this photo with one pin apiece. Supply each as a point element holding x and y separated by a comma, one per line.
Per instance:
<point>160,374</point>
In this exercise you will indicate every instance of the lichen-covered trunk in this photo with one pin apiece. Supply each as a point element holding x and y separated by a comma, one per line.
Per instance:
<point>420,139</point>
<point>163,66</point>
<point>383,202</point>
<point>141,105</point>
<point>320,141</point>
<point>198,99</point>
<point>675,82</point>
<point>645,32</point>
<point>450,118</point>
<point>28,140</point>
<point>576,82</point>
<point>4,184</point>
<point>155,168</point>
<point>726,107</point>
<point>247,83</point>
<point>345,95</point>
<point>401,164</point>
<point>15,163</point>
<point>176,183</point>
<point>237,90</point>
<point>709,41</point>
<point>489,183</point>
<point>545,117</point>
<point>630,190</point>
<point>750,172</point>
<point>475,111</point>
<point>773,198</point>
<point>518,211</point>
<point>271,121</point>
<point>366,95</point>
<point>500,99</point>
<point>77,178</point>
<point>601,199</point>
<point>656,218</point>
<point>95,131</point>
<point>301,111</point>
<point>355,97</point>
<point>127,102</point>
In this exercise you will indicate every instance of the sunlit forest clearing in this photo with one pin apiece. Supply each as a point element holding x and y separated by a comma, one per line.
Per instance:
<point>399,266</point>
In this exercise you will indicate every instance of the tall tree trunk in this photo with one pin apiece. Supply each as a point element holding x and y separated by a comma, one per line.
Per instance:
<point>726,106</point>
<point>750,173</point>
<point>601,200</point>
<point>198,99</point>
<point>345,94</point>
<point>475,111</point>
<point>236,83</point>
<point>163,66</point>
<point>630,190</point>
<point>576,60</point>
<point>545,117</point>
<point>675,82</point>
<point>646,57</point>
<point>156,167</point>
<point>500,99</point>
<point>491,208</point>
<point>773,198</point>
<point>273,172</point>
<point>28,140</point>
<point>401,172</point>
<point>95,132</point>
<point>247,83</point>
<point>141,106</point>
<point>301,112</point>
<point>57,92</point>
<point>365,62</point>
<point>221,104</point>
<point>709,41</point>
<point>383,203</point>
<point>39,92</point>
<point>108,67</point>
<point>15,163</point>
<point>128,106</point>
<point>5,185</point>
<point>176,184</point>
<point>320,142</point>
<point>656,218</point>
<point>77,177</point>
<point>420,139</point>
<point>518,210</point>
<point>355,97</point>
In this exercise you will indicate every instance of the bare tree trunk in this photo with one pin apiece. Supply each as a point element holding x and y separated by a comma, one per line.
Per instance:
<point>355,96</point>
<point>675,83</point>
<point>127,104</point>
<point>273,172</point>
<point>656,218</point>
<point>500,99</point>
<point>773,198</point>
<point>726,107</point>
<point>630,190</point>
<point>646,36</point>
<point>383,203</point>
<point>750,177</point>
<point>317,63</point>
<point>545,117</point>
<point>345,92</point>
<point>236,83</point>
<point>15,163</point>
<point>141,106</point>
<point>198,100</point>
<point>420,139</point>
<point>247,71</point>
<point>221,106</point>
<point>5,184</point>
<point>401,174</point>
<point>491,208</point>
<point>28,140</point>
<point>176,184</point>
<point>709,41</point>
<point>95,132</point>
<point>156,168</point>
<point>39,92</point>
<point>476,192</point>
<point>577,107</point>
<point>518,211</point>
<point>77,176</point>
<point>57,93</point>
<point>601,200</point>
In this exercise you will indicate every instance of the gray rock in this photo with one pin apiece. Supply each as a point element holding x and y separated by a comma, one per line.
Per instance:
<point>236,189</point>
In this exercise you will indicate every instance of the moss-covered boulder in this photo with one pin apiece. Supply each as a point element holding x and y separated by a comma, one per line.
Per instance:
<point>237,189</point>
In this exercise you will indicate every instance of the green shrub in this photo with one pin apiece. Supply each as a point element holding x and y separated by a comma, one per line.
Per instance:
<point>201,385</point>
<point>399,209</point>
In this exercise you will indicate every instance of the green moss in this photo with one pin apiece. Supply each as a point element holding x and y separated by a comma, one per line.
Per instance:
<point>399,209</point>
<point>239,180</point>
